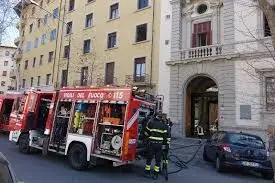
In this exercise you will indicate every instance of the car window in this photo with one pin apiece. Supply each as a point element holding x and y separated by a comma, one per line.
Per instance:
<point>220,136</point>
<point>246,140</point>
<point>214,136</point>
<point>5,176</point>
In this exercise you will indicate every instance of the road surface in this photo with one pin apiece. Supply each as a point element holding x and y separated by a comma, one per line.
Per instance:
<point>35,168</point>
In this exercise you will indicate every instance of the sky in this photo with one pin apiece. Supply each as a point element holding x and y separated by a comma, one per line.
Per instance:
<point>12,33</point>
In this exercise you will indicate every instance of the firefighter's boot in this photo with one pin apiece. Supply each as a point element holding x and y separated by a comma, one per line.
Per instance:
<point>156,173</point>
<point>147,171</point>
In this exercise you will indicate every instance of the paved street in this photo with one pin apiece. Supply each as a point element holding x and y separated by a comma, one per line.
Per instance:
<point>37,169</point>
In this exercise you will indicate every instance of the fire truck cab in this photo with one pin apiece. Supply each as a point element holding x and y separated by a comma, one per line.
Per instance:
<point>85,124</point>
<point>7,103</point>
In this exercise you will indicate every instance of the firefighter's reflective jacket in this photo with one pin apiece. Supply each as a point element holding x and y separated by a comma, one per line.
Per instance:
<point>158,132</point>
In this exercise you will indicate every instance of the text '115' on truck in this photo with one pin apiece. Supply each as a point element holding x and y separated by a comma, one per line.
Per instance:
<point>84,124</point>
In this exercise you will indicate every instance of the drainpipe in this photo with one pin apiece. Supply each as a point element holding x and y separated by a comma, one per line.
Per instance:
<point>56,44</point>
<point>61,41</point>
<point>152,45</point>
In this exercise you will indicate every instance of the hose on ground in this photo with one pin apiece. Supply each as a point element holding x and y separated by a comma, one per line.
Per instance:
<point>179,162</point>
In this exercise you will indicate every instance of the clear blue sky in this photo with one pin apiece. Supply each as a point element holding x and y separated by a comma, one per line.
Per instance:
<point>12,33</point>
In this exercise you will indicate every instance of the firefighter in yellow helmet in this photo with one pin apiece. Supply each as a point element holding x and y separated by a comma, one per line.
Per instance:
<point>158,134</point>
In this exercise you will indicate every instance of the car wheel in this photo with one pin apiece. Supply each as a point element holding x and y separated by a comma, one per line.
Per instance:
<point>205,157</point>
<point>268,176</point>
<point>24,144</point>
<point>219,165</point>
<point>78,157</point>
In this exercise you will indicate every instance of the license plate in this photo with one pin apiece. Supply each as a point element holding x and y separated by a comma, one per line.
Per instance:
<point>250,164</point>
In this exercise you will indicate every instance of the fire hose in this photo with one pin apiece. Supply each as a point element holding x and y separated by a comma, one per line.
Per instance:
<point>178,162</point>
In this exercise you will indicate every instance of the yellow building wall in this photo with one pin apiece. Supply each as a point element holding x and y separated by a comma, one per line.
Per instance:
<point>123,55</point>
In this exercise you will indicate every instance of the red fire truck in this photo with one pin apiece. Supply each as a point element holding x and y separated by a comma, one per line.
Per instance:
<point>84,124</point>
<point>7,103</point>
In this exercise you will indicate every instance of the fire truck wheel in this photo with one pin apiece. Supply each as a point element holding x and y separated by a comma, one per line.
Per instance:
<point>24,144</point>
<point>78,157</point>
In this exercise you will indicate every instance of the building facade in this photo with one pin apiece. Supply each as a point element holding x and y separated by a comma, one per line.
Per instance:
<point>6,68</point>
<point>221,67</point>
<point>86,42</point>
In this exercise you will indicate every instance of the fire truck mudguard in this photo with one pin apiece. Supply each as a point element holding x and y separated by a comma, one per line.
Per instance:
<point>86,141</point>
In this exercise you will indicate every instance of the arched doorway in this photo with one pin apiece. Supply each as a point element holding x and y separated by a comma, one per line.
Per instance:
<point>201,106</point>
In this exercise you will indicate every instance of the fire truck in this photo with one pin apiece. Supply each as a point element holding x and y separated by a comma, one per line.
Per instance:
<point>7,103</point>
<point>84,124</point>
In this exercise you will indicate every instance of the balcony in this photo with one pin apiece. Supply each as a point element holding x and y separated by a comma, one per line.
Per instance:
<point>95,82</point>
<point>18,55</point>
<point>134,80</point>
<point>17,41</point>
<point>201,52</point>
<point>13,74</point>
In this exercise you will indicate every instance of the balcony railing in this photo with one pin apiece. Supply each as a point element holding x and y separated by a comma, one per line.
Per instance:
<point>136,80</point>
<point>220,50</point>
<point>17,41</point>
<point>13,73</point>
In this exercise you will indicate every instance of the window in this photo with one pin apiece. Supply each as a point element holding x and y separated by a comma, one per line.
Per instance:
<point>89,20</point>
<point>114,11</point>
<point>84,76</point>
<point>112,40</point>
<point>30,30</point>
<point>6,63</point>
<point>4,73</point>
<point>28,46</point>
<point>23,83</point>
<point>35,45</point>
<point>48,1</point>
<point>71,5</point>
<point>141,32</point>
<point>31,81</point>
<point>34,62</point>
<point>41,59</point>
<point>64,78</point>
<point>38,23</point>
<point>50,56</point>
<point>48,77</point>
<point>270,93</point>
<point>43,39</point>
<point>202,8</point>
<point>41,3</point>
<point>202,34</point>
<point>67,51</point>
<point>55,13</point>
<point>87,46</point>
<point>3,83</point>
<point>7,53</point>
<point>266,27</point>
<point>139,74</point>
<point>109,73</point>
<point>45,19</point>
<point>26,64</point>
<point>53,35</point>
<point>90,1</point>
<point>38,80</point>
<point>33,10</point>
<point>142,4</point>
<point>69,27</point>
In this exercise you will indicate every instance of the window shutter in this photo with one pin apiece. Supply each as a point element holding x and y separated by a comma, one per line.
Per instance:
<point>209,34</point>
<point>194,40</point>
<point>194,36</point>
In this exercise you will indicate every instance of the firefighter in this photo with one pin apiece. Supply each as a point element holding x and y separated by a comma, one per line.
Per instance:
<point>158,134</point>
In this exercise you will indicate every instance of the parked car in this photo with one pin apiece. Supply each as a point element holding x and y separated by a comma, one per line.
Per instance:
<point>6,173</point>
<point>238,150</point>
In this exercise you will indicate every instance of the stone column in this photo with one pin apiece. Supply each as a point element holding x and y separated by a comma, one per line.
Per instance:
<point>229,27</point>
<point>176,37</point>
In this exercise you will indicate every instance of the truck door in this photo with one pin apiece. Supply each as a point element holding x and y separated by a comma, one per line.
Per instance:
<point>30,111</point>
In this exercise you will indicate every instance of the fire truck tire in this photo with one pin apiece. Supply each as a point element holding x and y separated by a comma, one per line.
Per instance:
<point>24,144</point>
<point>45,146</point>
<point>78,157</point>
